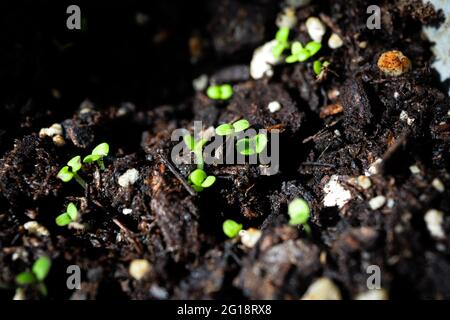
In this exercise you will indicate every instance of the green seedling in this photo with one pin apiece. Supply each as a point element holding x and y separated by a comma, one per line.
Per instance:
<point>282,42</point>
<point>69,172</point>
<point>220,92</point>
<point>231,228</point>
<point>37,275</point>
<point>98,154</point>
<point>200,180</point>
<point>320,66</point>
<point>196,146</point>
<point>253,145</point>
<point>299,214</point>
<point>67,217</point>
<point>230,128</point>
<point>300,53</point>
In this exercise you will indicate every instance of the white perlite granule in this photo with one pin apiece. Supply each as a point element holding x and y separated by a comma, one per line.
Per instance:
<point>434,219</point>
<point>139,268</point>
<point>377,202</point>
<point>274,106</point>
<point>250,237</point>
<point>316,28</point>
<point>263,60</point>
<point>322,289</point>
<point>440,37</point>
<point>128,178</point>
<point>335,193</point>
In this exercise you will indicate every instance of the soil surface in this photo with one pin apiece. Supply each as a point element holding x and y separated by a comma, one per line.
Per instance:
<point>126,78</point>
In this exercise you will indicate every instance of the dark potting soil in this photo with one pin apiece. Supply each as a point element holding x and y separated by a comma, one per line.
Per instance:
<point>135,85</point>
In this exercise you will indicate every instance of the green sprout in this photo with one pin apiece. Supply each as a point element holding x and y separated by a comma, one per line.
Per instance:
<point>231,228</point>
<point>282,44</point>
<point>319,66</point>
<point>300,53</point>
<point>37,275</point>
<point>220,92</point>
<point>196,147</point>
<point>299,213</point>
<point>200,180</point>
<point>228,128</point>
<point>253,145</point>
<point>69,172</point>
<point>67,217</point>
<point>98,154</point>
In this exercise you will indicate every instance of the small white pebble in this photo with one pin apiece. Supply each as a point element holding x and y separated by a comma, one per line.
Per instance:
<point>322,289</point>
<point>250,237</point>
<point>274,106</point>
<point>335,193</point>
<point>55,129</point>
<point>377,202</point>
<point>58,140</point>
<point>364,182</point>
<point>316,29</point>
<point>335,41</point>
<point>200,83</point>
<point>374,167</point>
<point>434,219</point>
<point>390,203</point>
<point>448,112</point>
<point>286,18</point>
<point>19,294</point>
<point>396,95</point>
<point>405,117</point>
<point>127,211</point>
<point>438,185</point>
<point>139,268</point>
<point>337,133</point>
<point>35,228</point>
<point>74,225</point>
<point>414,169</point>
<point>263,61</point>
<point>128,178</point>
<point>376,294</point>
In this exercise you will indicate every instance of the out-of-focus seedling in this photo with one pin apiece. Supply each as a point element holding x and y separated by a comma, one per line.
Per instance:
<point>69,172</point>
<point>98,154</point>
<point>300,53</point>
<point>37,275</point>
<point>320,66</point>
<point>282,44</point>
<point>67,217</point>
<point>220,92</point>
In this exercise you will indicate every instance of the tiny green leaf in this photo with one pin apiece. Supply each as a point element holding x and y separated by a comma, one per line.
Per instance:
<point>317,67</point>
<point>313,47</point>
<point>226,91</point>
<point>101,150</point>
<point>291,59</point>
<point>197,177</point>
<point>282,34</point>
<point>25,278</point>
<point>42,289</point>
<point>241,125</point>
<point>189,141</point>
<point>296,48</point>
<point>260,142</point>
<point>91,158</point>
<point>298,211</point>
<point>231,228</point>
<point>214,92</point>
<point>75,163</point>
<point>244,147</point>
<point>303,55</point>
<point>278,49</point>
<point>64,174</point>
<point>224,129</point>
<point>208,182</point>
<point>72,211</point>
<point>63,219</point>
<point>41,267</point>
